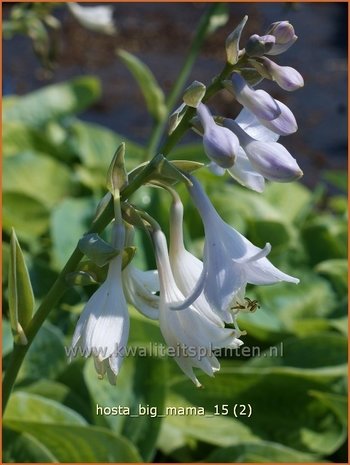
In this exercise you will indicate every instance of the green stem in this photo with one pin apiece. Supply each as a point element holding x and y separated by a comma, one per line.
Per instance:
<point>196,44</point>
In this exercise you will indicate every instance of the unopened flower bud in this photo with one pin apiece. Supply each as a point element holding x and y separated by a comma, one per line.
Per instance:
<point>258,101</point>
<point>284,34</point>
<point>270,159</point>
<point>257,45</point>
<point>286,77</point>
<point>220,144</point>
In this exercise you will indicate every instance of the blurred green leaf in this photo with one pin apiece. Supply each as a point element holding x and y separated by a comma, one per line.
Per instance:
<point>25,407</point>
<point>80,444</point>
<point>54,101</point>
<point>149,87</point>
<point>28,216</point>
<point>337,270</point>
<point>69,222</point>
<point>17,137</point>
<point>283,410</point>
<point>325,238</point>
<point>20,292</point>
<point>259,452</point>
<point>138,384</point>
<point>276,233</point>
<point>280,195</point>
<point>60,393</point>
<point>338,403</point>
<point>337,178</point>
<point>186,428</point>
<point>32,174</point>
<point>46,357</point>
<point>323,351</point>
<point>24,448</point>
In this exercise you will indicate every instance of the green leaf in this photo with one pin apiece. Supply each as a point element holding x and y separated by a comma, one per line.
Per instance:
<point>61,394</point>
<point>20,292</point>
<point>77,213</point>
<point>325,238</point>
<point>263,451</point>
<point>337,178</point>
<point>32,175</point>
<point>186,428</point>
<point>46,357</point>
<point>280,195</point>
<point>323,351</point>
<point>29,217</point>
<point>138,384</point>
<point>23,448</point>
<point>149,87</point>
<point>54,101</point>
<point>27,407</point>
<point>283,410</point>
<point>338,403</point>
<point>337,270</point>
<point>80,444</point>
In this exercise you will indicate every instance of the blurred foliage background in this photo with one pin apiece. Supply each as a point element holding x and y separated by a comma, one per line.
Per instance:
<point>64,114</point>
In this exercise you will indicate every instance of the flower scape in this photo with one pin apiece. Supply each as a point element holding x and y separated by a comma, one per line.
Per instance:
<point>197,302</point>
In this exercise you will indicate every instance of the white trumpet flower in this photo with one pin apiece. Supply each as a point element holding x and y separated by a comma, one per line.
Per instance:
<point>187,268</point>
<point>230,261</point>
<point>140,287</point>
<point>103,327</point>
<point>189,333</point>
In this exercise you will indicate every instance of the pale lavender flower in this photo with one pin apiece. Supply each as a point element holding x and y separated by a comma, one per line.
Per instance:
<point>286,77</point>
<point>190,334</point>
<point>220,145</point>
<point>230,261</point>
<point>270,159</point>
<point>285,36</point>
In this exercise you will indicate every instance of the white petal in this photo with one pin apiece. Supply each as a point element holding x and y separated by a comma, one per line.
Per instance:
<point>252,126</point>
<point>263,272</point>
<point>216,169</point>
<point>243,172</point>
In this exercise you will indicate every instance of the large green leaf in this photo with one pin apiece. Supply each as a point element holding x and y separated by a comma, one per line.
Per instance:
<point>181,429</point>
<point>149,87</point>
<point>37,176</point>
<point>137,384</point>
<point>7,339</point>
<point>28,216</point>
<point>26,407</point>
<point>46,357</point>
<point>80,444</point>
<point>62,394</point>
<point>54,101</point>
<point>69,222</point>
<point>24,448</point>
<point>337,270</point>
<point>280,195</point>
<point>322,351</point>
<point>259,452</point>
<point>283,410</point>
